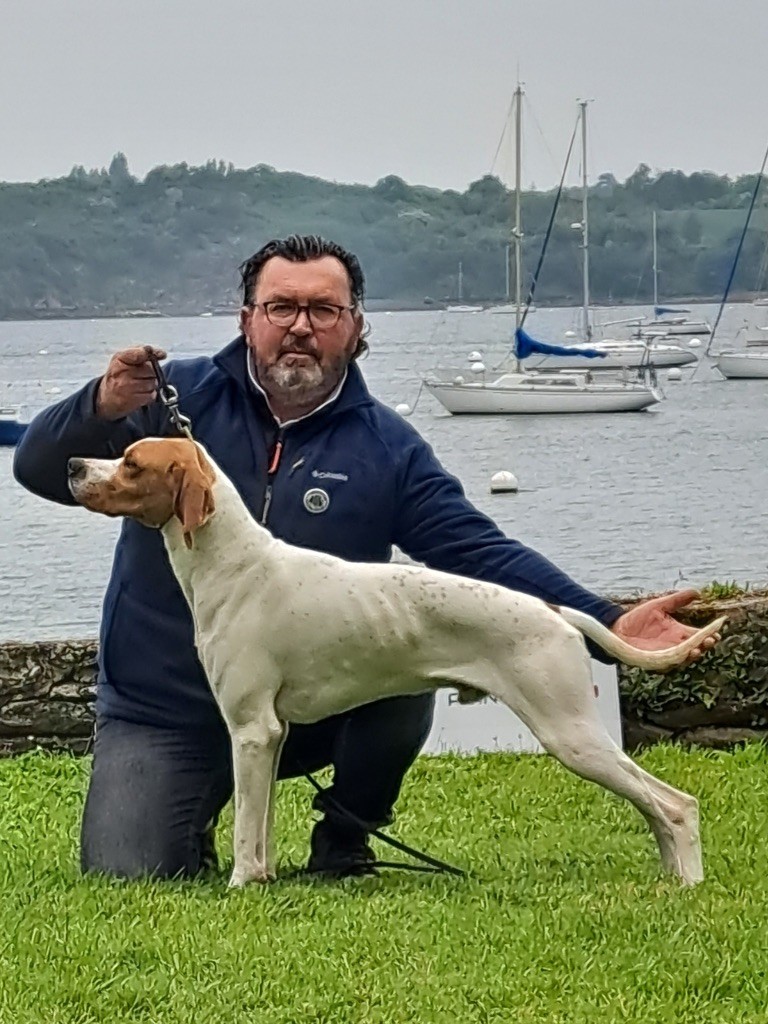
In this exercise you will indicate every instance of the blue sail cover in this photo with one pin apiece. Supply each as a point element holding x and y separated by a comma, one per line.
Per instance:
<point>661,310</point>
<point>526,346</point>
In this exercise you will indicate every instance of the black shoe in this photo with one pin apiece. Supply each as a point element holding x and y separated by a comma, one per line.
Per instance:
<point>337,851</point>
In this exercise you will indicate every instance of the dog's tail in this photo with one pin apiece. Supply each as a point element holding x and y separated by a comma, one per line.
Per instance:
<point>653,661</point>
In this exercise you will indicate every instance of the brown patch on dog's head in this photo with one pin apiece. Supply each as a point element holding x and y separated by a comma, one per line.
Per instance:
<point>156,479</point>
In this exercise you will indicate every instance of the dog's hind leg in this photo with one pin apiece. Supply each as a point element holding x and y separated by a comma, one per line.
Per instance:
<point>255,750</point>
<point>566,722</point>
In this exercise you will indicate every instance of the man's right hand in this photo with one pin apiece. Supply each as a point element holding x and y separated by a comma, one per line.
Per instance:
<point>129,383</point>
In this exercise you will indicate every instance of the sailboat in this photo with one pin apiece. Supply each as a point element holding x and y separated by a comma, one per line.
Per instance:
<point>461,307</point>
<point>668,322</point>
<point>647,347</point>
<point>518,390</point>
<point>12,426</point>
<point>750,363</point>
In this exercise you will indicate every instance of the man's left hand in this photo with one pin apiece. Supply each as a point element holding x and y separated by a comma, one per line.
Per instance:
<point>650,625</point>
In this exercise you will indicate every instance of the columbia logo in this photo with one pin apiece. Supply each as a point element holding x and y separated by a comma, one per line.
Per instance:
<point>320,474</point>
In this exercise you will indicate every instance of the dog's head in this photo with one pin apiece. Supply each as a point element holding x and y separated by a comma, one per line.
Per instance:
<point>156,479</point>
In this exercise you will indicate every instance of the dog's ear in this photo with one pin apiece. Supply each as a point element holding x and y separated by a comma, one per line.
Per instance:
<point>193,504</point>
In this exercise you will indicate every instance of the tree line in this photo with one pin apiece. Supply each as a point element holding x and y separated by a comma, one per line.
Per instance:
<point>100,242</point>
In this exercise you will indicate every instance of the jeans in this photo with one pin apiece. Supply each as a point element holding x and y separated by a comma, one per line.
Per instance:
<point>155,793</point>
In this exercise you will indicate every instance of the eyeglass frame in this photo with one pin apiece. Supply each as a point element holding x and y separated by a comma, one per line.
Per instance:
<point>303,307</point>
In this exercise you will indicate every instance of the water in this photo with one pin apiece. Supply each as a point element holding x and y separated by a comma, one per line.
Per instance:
<point>625,503</point>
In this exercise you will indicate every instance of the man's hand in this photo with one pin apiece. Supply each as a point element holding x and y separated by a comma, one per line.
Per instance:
<point>651,627</point>
<point>128,384</point>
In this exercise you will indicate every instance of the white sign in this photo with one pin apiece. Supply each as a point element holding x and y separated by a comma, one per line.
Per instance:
<point>489,725</point>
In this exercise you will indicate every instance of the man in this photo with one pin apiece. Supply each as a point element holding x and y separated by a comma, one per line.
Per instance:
<point>285,412</point>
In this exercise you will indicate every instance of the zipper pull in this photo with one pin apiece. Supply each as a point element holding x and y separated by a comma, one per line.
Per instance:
<point>274,462</point>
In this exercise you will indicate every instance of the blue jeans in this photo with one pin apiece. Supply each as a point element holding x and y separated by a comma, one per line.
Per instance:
<point>156,793</point>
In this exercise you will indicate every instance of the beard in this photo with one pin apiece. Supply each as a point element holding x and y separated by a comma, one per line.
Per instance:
<point>302,381</point>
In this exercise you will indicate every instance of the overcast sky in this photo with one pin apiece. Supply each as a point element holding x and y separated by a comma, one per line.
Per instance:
<point>352,90</point>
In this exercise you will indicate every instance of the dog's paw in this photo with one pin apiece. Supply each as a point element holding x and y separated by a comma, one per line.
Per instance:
<point>255,873</point>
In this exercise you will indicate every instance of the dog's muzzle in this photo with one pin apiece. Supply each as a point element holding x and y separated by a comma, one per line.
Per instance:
<point>76,469</point>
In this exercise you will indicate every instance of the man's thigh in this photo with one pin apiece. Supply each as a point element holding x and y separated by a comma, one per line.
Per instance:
<point>153,794</point>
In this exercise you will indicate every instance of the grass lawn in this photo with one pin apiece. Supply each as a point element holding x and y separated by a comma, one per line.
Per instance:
<point>566,919</point>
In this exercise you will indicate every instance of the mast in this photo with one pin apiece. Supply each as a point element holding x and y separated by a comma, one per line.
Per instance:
<point>655,266</point>
<point>461,282</point>
<point>518,219</point>
<point>517,231</point>
<point>585,220</point>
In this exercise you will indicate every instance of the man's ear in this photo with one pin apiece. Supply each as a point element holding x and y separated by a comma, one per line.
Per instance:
<point>242,318</point>
<point>193,504</point>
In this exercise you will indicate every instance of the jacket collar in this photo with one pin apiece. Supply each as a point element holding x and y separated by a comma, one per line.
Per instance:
<point>232,360</point>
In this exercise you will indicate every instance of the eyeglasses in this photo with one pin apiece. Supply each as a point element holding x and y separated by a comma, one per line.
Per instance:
<point>322,315</point>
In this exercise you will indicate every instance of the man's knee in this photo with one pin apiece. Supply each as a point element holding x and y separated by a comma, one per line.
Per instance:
<point>150,801</point>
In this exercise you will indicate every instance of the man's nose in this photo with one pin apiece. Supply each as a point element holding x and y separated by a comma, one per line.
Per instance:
<point>302,324</point>
<point>76,468</point>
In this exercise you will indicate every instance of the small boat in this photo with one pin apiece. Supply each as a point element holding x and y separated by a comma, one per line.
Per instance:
<point>517,390</point>
<point>11,427</point>
<point>622,353</point>
<point>743,365</point>
<point>536,393</point>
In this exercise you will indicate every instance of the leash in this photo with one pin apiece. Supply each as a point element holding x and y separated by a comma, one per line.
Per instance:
<point>430,864</point>
<point>168,396</point>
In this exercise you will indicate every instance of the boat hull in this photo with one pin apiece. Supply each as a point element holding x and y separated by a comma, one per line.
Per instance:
<point>485,399</point>
<point>11,432</point>
<point>691,328</point>
<point>632,358</point>
<point>743,365</point>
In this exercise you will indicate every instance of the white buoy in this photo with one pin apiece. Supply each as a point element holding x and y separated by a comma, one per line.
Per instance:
<point>570,334</point>
<point>475,357</point>
<point>503,482</point>
<point>675,373</point>
<point>477,367</point>
<point>403,409</point>
<point>53,391</point>
<point>43,352</point>
<point>694,343</point>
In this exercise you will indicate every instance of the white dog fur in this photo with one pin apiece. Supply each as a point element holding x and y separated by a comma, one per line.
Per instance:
<point>290,635</point>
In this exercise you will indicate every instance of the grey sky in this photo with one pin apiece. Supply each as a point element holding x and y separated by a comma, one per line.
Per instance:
<point>356,90</point>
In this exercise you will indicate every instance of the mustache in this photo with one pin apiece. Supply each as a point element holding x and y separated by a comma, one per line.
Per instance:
<point>297,346</point>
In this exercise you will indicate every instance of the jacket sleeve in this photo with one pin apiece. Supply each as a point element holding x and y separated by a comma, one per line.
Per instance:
<point>71,428</point>
<point>437,525</point>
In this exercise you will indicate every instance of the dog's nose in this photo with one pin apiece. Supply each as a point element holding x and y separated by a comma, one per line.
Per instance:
<point>76,468</point>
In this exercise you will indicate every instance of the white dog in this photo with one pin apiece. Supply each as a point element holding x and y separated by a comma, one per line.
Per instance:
<point>289,635</point>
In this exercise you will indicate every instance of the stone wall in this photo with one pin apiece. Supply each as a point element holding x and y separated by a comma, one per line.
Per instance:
<point>47,689</point>
<point>46,695</point>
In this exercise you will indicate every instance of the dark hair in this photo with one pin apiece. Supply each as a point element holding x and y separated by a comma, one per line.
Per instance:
<point>301,249</point>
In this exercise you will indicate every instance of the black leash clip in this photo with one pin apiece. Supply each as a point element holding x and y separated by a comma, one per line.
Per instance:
<point>169,396</point>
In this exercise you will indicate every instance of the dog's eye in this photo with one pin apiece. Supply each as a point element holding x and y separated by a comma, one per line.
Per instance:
<point>131,466</point>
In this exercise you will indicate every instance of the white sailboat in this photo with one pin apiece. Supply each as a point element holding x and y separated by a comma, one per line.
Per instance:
<point>628,354</point>
<point>515,390</point>
<point>751,362</point>
<point>748,363</point>
<point>668,322</point>
<point>462,307</point>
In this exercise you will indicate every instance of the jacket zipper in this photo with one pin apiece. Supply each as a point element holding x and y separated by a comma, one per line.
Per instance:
<point>274,463</point>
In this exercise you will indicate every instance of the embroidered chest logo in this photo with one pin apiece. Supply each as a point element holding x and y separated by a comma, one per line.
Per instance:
<point>322,474</point>
<point>316,500</point>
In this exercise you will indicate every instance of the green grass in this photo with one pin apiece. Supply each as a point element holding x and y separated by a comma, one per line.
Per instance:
<point>566,919</point>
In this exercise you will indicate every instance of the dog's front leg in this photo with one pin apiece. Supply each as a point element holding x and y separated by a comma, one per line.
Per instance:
<point>255,751</point>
